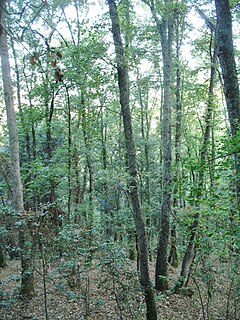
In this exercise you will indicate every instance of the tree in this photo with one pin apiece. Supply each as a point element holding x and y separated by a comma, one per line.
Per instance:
<point>3,262</point>
<point>27,288</point>
<point>202,167</point>
<point>173,256</point>
<point>230,77</point>
<point>122,70</point>
<point>227,62</point>
<point>165,31</point>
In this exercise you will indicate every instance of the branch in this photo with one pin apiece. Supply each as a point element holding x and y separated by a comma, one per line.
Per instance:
<point>208,22</point>
<point>32,20</point>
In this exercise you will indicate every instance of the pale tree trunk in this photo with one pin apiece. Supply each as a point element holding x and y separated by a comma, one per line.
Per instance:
<point>132,163</point>
<point>11,117</point>
<point>27,288</point>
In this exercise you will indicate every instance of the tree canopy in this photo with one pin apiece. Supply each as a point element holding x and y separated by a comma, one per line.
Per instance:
<point>124,152</point>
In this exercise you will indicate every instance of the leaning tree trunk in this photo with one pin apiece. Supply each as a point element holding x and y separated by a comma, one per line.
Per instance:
<point>132,163</point>
<point>27,288</point>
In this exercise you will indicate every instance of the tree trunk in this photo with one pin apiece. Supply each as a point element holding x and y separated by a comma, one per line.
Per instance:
<point>132,163</point>
<point>89,161</point>
<point>27,288</point>
<point>11,117</point>
<point>203,155</point>
<point>107,216</point>
<point>230,77</point>
<point>69,125</point>
<point>3,262</point>
<point>145,127</point>
<point>26,133</point>
<point>227,62</point>
<point>173,256</point>
<point>164,27</point>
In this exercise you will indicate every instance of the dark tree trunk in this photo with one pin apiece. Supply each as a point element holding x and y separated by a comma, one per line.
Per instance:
<point>173,256</point>
<point>230,77</point>
<point>227,62</point>
<point>165,29</point>
<point>89,161</point>
<point>132,163</point>
<point>69,124</point>
<point>145,127</point>
<point>107,218</point>
<point>3,262</point>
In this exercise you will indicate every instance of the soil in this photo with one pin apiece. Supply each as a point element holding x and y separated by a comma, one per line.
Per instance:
<point>102,294</point>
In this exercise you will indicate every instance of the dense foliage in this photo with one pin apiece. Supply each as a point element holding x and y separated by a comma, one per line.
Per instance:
<point>74,168</point>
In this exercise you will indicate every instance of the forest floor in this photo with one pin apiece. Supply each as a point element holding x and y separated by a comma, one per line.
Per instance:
<point>101,295</point>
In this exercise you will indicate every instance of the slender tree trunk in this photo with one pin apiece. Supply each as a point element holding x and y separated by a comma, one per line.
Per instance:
<point>26,134</point>
<point>27,288</point>
<point>145,126</point>
<point>69,124</point>
<point>3,262</point>
<point>89,161</point>
<point>49,112</point>
<point>31,107</point>
<point>107,218</point>
<point>132,162</point>
<point>173,256</point>
<point>165,29</point>
<point>199,190</point>
<point>32,140</point>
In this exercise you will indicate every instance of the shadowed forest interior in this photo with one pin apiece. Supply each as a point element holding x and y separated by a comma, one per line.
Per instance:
<point>120,159</point>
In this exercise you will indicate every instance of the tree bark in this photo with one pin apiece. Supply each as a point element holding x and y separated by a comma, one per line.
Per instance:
<point>89,160</point>
<point>146,181</point>
<point>27,288</point>
<point>229,73</point>
<point>165,28</point>
<point>3,262</point>
<point>227,62</point>
<point>122,70</point>
<point>11,116</point>
<point>173,256</point>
